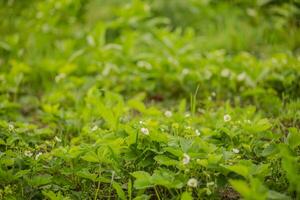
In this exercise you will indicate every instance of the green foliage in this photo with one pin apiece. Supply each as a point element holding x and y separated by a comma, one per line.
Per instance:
<point>140,99</point>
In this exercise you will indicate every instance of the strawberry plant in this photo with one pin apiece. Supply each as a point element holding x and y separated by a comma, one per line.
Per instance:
<point>149,99</point>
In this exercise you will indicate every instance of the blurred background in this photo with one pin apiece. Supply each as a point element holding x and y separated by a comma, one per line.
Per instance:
<point>170,45</point>
<point>258,26</point>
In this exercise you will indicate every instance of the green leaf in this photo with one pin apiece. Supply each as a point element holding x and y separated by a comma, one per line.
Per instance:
<point>22,173</point>
<point>167,179</point>
<point>175,151</point>
<point>142,197</point>
<point>270,150</point>
<point>182,106</point>
<point>186,196</point>
<point>39,180</point>
<point>262,125</point>
<point>164,160</point>
<point>50,195</point>
<point>132,135</point>
<point>277,196</point>
<point>143,180</point>
<point>119,190</point>
<point>86,174</point>
<point>293,138</point>
<point>241,186</point>
<point>2,141</point>
<point>90,157</point>
<point>137,105</point>
<point>158,137</point>
<point>239,169</point>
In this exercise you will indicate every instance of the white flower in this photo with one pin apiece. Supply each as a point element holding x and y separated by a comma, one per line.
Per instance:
<point>197,132</point>
<point>241,76</point>
<point>38,155</point>
<point>186,159</point>
<point>192,182</point>
<point>141,122</point>
<point>145,131</point>
<point>28,153</point>
<point>225,73</point>
<point>227,118</point>
<point>185,71</point>
<point>234,150</point>
<point>95,128</point>
<point>144,64</point>
<point>187,115</point>
<point>57,139</point>
<point>247,121</point>
<point>210,183</point>
<point>90,40</point>
<point>11,127</point>
<point>168,113</point>
<point>59,77</point>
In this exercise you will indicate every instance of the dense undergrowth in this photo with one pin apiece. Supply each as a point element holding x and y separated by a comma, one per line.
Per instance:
<point>149,99</point>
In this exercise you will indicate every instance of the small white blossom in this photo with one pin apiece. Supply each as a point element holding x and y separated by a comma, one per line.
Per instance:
<point>57,139</point>
<point>90,40</point>
<point>38,155</point>
<point>225,73</point>
<point>241,76</point>
<point>144,64</point>
<point>186,159</point>
<point>192,182</point>
<point>227,118</point>
<point>234,150</point>
<point>11,127</point>
<point>210,183</point>
<point>197,132</point>
<point>247,121</point>
<point>145,131</point>
<point>28,153</point>
<point>39,15</point>
<point>59,77</point>
<point>95,128</point>
<point>187,115</point>
<point>168,113</point>
<point>141,122</point>
<point>45,28</point>
<point>185,71</point>
<point>200,110</point>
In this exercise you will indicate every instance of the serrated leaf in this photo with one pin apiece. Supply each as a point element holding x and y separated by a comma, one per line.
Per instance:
<point>87,175</point>
<point>90,157</point>
<point>164,160</point>
<point>293,138</point>
<point>39,180</point>
<point>270,150</point>
<point>239,169</point>
<point>143,180</point>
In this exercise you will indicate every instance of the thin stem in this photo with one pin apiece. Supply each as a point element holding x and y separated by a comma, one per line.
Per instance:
<point>98,186</point>
<point>156,192</point>
<point>97,191</point>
